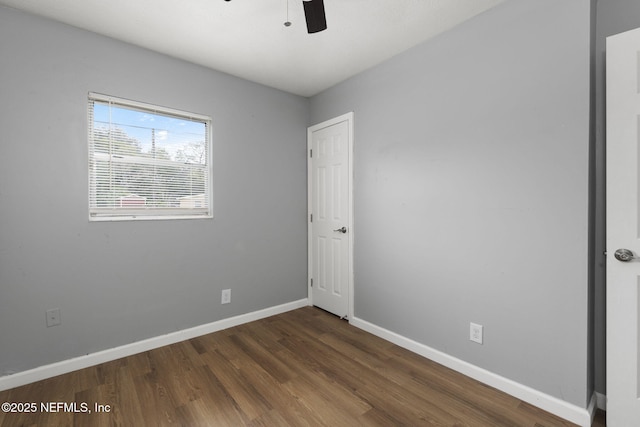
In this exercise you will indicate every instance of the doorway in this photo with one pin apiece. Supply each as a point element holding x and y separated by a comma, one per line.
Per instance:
<point>330,215</point>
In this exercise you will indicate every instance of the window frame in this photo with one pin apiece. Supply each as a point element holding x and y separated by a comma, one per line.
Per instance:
<point>149,213</point>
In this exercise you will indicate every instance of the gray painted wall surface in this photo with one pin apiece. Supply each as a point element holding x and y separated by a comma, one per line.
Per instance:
<point>613,17</point>
<point>477,140</point>
<point>117,283</point>
<point>471,192</point>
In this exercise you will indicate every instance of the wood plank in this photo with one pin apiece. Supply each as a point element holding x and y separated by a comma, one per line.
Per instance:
<point>300,368</point>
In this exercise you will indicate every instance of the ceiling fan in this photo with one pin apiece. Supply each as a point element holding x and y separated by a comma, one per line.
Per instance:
<point>313,13</point>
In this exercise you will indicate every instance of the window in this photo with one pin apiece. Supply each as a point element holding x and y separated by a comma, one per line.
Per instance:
<point>147,162</point>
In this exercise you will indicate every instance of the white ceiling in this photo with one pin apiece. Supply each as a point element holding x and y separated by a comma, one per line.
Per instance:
<point>248,39</point>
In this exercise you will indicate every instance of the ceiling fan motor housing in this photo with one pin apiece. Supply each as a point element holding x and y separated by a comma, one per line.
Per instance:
<point>314,14</point>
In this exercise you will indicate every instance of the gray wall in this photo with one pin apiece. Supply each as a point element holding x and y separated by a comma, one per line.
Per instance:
<point>472,192</point>
<point>118,283</point>
<point>613,17</point>
<point>477,140</point>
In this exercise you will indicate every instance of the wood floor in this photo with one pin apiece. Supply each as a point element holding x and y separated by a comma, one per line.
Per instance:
<point>301,368</point>
<point>600,420</point>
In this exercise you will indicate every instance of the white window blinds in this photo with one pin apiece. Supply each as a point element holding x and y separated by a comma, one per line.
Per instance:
<point>147,162</point>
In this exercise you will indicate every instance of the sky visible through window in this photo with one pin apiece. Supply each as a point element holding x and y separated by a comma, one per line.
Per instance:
<point>169,134</point>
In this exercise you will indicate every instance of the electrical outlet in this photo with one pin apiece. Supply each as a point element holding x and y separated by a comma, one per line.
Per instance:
<point>226,296</point>
<point>53,317</point>
<point>475,333</point>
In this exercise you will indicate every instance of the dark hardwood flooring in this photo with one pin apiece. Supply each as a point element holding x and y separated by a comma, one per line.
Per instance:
<point>600,420</point>
<point>301,368</point>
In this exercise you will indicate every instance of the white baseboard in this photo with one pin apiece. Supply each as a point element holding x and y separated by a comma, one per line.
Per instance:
<point>568,411</point>
<point>601,401</point>
<point>69,365</point>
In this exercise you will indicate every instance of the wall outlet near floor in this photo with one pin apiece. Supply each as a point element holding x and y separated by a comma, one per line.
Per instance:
<point>475,332</point>
<point>53,317</point>
<point>226,296</point>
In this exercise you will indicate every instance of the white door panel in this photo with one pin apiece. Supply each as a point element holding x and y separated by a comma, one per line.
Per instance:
<point>330,219</point>
<point>623,230</point>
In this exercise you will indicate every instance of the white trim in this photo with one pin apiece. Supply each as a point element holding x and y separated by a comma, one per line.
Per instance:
<point>348,117</point>
<point>601,401</point>
<point>120,216</point>
<point>69,365</point>
<point>561,408</point>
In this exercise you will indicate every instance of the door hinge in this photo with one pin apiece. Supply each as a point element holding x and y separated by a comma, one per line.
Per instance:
<point>312,282</point>
<point>310,152</point>
<point>310,217</point>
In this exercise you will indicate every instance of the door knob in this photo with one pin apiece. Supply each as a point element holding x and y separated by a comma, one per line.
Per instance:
<point>624,255</point>
<point>342,230</point>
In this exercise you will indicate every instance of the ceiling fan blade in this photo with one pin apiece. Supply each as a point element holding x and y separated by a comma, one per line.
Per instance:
<point>314,14</point>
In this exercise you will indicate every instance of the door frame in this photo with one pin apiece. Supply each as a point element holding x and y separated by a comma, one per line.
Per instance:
<point>348,117</point>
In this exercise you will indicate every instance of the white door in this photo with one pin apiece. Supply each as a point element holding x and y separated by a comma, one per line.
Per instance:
<point>330,146</point>
<point>623,229</point>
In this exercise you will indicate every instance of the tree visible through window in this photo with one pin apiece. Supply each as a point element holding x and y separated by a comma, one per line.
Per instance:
<point>147,161</point>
